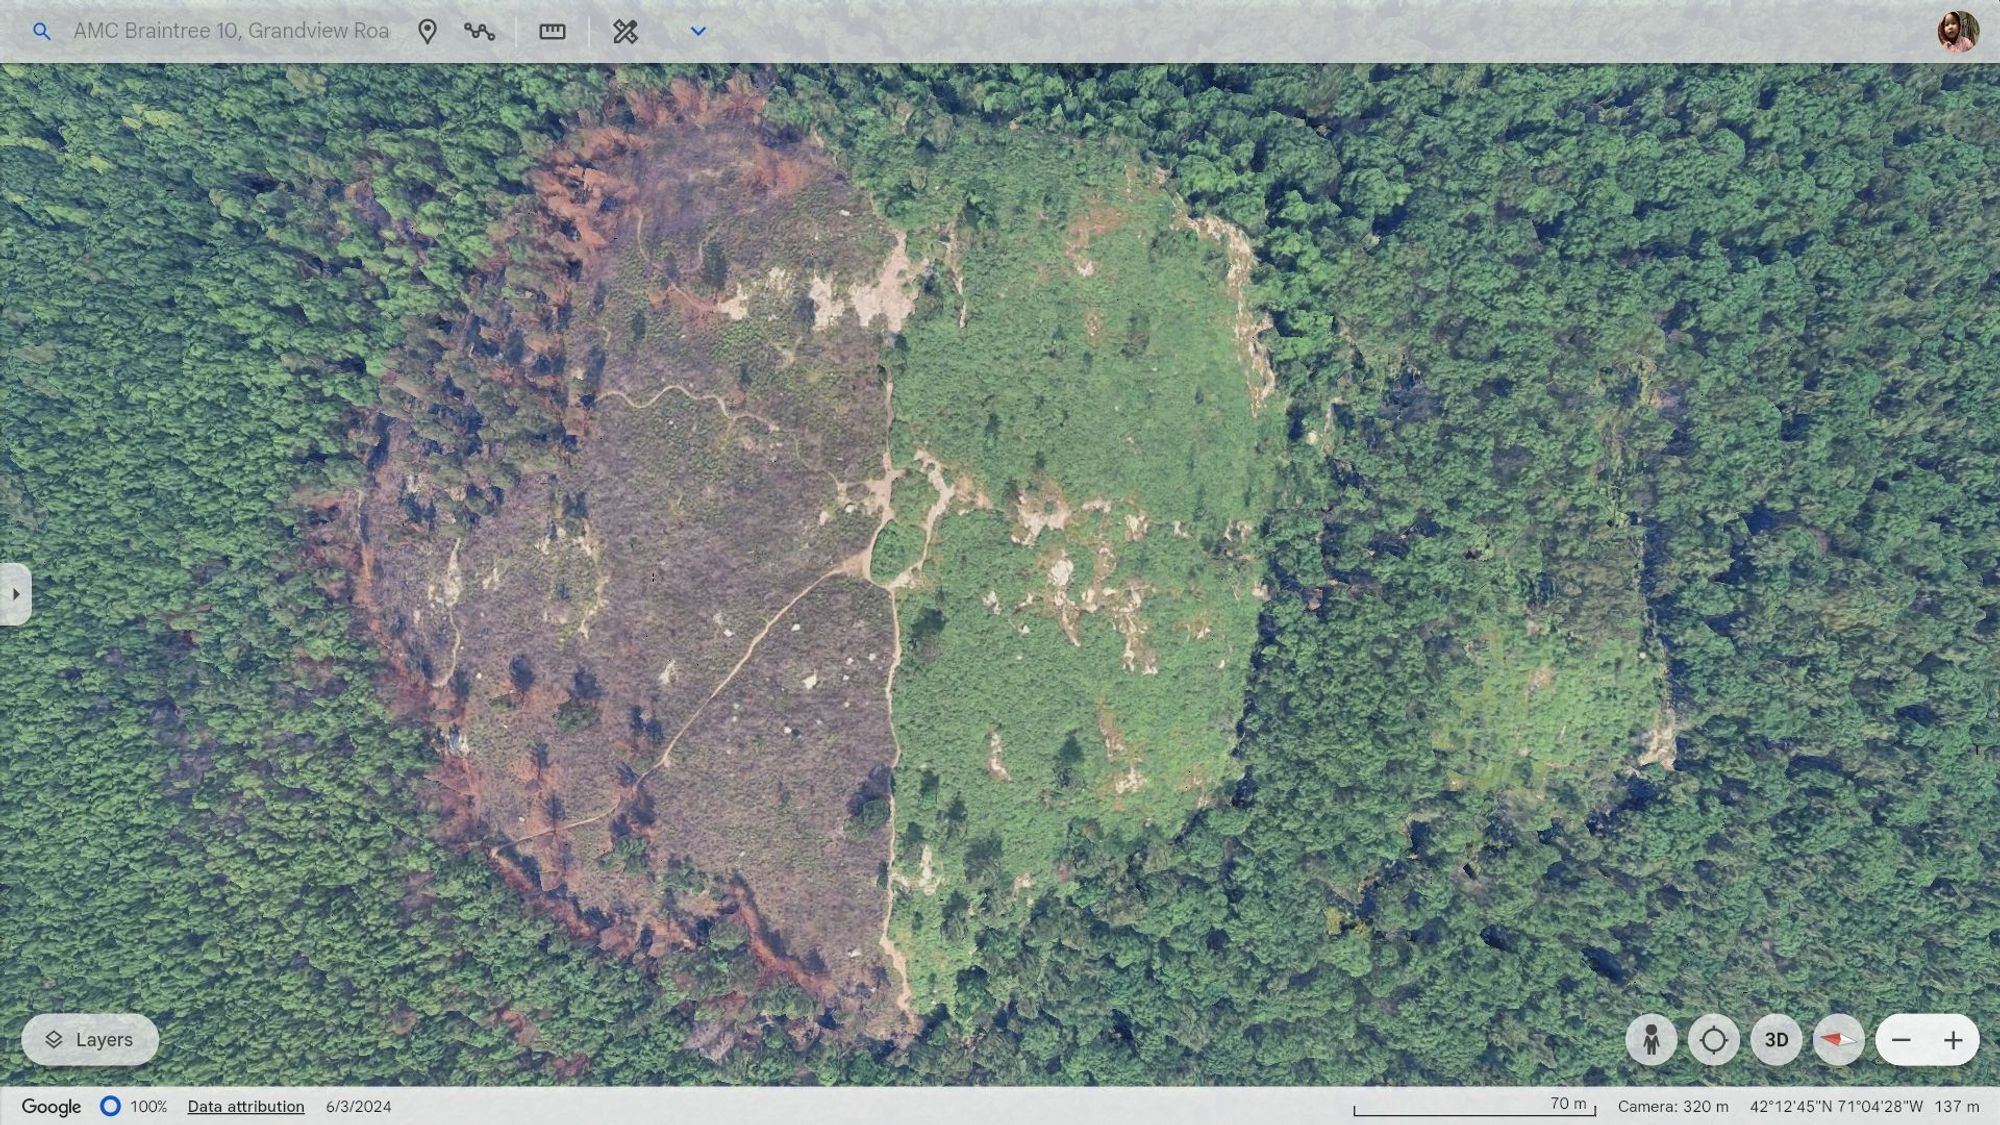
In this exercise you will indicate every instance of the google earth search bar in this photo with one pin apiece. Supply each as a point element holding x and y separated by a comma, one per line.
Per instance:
<point>948,31</point>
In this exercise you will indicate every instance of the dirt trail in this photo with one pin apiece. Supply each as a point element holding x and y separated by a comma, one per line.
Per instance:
<point>846,569</point>
<point>934,472</point>
<point>904,994</point>
<point>720,404</point>
<point>854,566</point>
<point>876,490</point>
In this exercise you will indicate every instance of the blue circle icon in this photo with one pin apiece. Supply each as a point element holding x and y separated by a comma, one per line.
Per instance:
<point>109,1105</point>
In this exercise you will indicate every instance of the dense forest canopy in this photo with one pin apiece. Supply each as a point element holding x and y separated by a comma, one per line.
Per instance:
<point>1629,560</point>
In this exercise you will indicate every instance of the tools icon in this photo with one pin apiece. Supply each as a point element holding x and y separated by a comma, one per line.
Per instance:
<point>624,31</point>
<point>480,32</point>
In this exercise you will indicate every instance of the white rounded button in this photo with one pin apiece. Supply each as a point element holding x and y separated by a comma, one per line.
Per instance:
<point>1776,1039</point>
<point>1926,1039</point>
<point>1651,1039</point>
<point>1713,1039</point>
<point>1837,1039</point>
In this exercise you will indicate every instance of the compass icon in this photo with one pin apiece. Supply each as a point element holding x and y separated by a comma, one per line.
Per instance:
<point>1838,1039</point>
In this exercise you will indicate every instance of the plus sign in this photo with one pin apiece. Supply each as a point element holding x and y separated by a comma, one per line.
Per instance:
<point>1954,1039</point>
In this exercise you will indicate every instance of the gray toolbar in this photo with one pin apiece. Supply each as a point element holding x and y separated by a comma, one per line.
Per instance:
<point>945,31</point>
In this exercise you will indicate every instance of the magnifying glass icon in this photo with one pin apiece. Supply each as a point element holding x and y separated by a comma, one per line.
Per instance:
<point>42,30</point>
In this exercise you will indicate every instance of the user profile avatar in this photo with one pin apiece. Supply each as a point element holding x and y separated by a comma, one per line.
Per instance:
<point>1958,32</point>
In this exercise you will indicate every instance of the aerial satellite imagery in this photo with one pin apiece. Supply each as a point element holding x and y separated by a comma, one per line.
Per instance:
<point>944,575</point>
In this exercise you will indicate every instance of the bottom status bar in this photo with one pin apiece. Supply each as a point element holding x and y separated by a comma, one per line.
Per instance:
<point>993,1106</point>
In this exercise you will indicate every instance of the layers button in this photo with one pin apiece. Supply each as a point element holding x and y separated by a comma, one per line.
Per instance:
<point>1927,1039</point>
<point>90,1039</point>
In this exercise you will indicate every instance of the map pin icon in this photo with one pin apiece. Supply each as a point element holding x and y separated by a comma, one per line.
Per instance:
<point>428,29</point>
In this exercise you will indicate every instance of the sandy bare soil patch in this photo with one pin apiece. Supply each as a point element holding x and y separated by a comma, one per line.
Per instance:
<point>1251,324</point>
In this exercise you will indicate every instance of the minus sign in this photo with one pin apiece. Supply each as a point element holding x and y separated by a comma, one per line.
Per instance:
<point>1900,1039</point>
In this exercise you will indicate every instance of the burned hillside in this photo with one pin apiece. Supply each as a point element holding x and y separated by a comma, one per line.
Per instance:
<point>616,547</point>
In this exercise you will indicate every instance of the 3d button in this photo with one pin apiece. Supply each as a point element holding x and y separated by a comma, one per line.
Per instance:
<point>1837,1040</point>
<point>1651,1039</point>
<point>90,1039</point>
<point>17,594</point>
<point>1713,1039</point>
<point>1926,1039</point>
<point>1776,1039</point>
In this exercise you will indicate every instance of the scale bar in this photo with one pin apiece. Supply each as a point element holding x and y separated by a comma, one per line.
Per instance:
<point>1483,1115</point>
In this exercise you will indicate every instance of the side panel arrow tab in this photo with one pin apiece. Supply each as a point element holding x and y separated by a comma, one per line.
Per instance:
<point>17,594</point>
